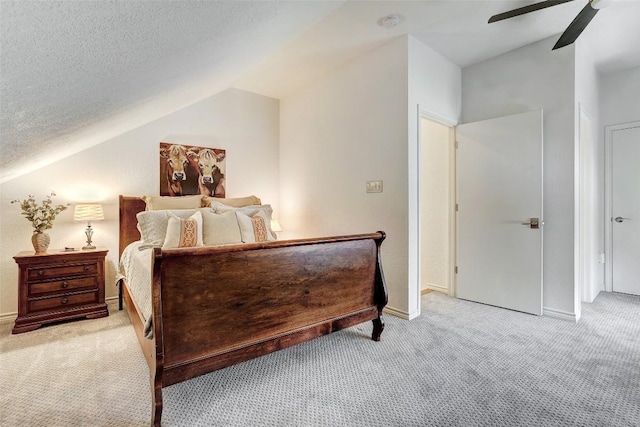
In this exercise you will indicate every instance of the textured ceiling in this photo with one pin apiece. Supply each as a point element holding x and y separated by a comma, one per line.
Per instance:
<point>74,74</point>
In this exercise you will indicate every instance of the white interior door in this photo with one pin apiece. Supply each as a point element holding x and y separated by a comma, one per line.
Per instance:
<point>500,188</point>
<point>625,209</point>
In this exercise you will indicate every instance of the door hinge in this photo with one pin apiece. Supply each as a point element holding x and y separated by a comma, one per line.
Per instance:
<point>456,269</point>
<point>456,207</point>
<point>457,144</point>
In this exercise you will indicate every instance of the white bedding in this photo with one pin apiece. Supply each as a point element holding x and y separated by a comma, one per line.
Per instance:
<point>135,266</point>
<point>219,227</point>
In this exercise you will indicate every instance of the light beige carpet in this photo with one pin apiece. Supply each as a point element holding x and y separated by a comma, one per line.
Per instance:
<point>459,364</point>
<point>79,373</point>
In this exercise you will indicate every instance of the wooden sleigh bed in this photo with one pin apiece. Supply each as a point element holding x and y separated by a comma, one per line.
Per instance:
<point>216,306</point>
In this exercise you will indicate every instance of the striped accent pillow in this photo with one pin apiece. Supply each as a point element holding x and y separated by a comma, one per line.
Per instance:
<point>259,228</point>
<point>255,228</point>
<point>183,232</point>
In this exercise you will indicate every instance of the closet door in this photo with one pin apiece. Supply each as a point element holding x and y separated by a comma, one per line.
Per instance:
<point>499,177</point>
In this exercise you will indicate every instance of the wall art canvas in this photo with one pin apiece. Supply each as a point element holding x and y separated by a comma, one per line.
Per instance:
<point>188,170</point>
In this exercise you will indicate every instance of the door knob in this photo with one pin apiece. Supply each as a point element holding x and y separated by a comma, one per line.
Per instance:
<point>620,219</point>
<point>533,223</point>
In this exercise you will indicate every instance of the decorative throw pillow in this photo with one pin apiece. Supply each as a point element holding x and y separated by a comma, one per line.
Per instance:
<point>219,229</point>
<point>183,232</point>
<point>237,202</point>
<point>155,203</point>
<point>255,228</point>
<point>153,225</point>
<point>218,207</point>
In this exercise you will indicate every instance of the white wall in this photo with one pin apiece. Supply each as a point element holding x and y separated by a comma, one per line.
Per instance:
<point>531,78</point>
<point>620,98</point>
<point>589,175</point>
<point>619,103</point>
<point>244,124</point>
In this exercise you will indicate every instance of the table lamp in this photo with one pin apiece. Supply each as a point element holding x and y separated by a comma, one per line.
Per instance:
<point>88,212</point>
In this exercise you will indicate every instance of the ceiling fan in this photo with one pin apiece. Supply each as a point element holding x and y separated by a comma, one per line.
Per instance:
<point>574,29</point>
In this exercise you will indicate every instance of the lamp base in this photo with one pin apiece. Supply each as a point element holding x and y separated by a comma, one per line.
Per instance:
<point>89,233</point>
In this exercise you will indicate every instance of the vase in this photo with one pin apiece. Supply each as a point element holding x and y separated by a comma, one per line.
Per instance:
<point>40,242</point>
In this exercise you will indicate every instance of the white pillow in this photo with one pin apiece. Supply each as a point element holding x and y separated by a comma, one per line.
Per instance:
<point>255,228</point>
<point>153,225</point>
<point>155,203</point>
<point>219,229</point>
<point>183,232</point>
<point>218,207</point>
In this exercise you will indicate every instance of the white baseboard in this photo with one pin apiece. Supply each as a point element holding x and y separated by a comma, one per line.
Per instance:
<point>593,297</point>
<point>395,312</point>
<point>413,315</point>
<point>8,317</point>
<point>559,314</point>
<point>400,313</point>
<point>438,288</point>
<point>112,303</point>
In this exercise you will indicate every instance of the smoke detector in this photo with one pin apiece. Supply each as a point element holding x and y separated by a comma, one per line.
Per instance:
<point>390,21</point>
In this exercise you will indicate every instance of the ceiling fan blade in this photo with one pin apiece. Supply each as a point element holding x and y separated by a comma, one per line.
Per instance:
<point>526,9</point>
<point>576,27</point>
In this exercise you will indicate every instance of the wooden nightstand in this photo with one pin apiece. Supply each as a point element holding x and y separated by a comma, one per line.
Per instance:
<point>59,285</point>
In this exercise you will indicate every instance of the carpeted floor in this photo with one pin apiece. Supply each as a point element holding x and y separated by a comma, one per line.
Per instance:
<point>459,364</point>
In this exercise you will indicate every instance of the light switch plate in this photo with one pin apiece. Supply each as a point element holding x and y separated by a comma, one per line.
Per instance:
<point>374,186</point>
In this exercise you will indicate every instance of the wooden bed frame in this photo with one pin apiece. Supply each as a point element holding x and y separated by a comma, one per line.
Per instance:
<point>217,306</point>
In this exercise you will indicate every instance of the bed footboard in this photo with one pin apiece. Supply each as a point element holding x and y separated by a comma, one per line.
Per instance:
<point>217,306</point>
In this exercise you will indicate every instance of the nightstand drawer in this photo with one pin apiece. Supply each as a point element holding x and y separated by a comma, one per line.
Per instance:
<point>63,301</point>
<point>55,271</point>
<point>59,285</point>
<point>39,288</point>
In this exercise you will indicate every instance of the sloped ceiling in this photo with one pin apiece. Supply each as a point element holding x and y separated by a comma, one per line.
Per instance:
<point>457,29</point>
<point>74,74</point>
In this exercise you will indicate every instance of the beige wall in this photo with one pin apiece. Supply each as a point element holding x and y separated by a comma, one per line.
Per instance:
<point>435,192</point>
<point>244,124</point>
<point>310,158</point>
<point>342,131</point>
<point>357,124</point>
<point>435,89</point>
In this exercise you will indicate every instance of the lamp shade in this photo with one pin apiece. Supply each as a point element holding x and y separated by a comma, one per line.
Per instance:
<point>88,212</point>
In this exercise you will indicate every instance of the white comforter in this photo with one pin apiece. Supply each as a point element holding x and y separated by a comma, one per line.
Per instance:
<point>135,266</point>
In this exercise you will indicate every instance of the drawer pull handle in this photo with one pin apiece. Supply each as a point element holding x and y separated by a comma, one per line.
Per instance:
<point>85,268</point>
<point>65,284</point>
<point>40,272</point>
<point>65,300</point>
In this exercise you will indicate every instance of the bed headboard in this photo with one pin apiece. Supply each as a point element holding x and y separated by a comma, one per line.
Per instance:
<point>129,207</point>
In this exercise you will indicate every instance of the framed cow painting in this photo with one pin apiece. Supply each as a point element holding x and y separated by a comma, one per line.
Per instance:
<point>188,170</point>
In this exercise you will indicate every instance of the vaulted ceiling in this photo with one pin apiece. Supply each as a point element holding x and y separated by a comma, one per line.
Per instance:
<point>74,74</point>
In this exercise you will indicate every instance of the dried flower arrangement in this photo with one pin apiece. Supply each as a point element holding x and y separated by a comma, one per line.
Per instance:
<point>40,216</point>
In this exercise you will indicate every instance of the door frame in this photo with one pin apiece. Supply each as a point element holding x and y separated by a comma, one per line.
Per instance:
<point>608,193</point>
<point>429,115</point>
<point>585,218</point>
